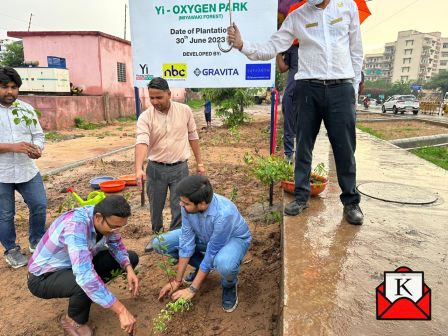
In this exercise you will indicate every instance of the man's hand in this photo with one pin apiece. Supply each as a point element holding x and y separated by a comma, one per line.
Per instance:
<point>140,175</point>
<point>37,154</point>
<point>186,293</point>
<point>26,148</point>
<point>234,37</point>
<point>127,322</point>
<point>133,282</point>
<point>169,288</point>
<point>200,169</point>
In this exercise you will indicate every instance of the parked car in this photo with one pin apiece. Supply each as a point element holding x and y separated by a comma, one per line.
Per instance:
<point>401,103</point>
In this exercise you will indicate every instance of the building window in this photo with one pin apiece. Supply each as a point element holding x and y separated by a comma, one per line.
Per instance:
<point>406,61</point>
<point>405,69</point>
<point>443,63</point>
<point>121,72</point>
<point>409,43</point>
<point>445,54</point>
<point>404,78</point>
<point>445,45</point>
<point>408,51</point>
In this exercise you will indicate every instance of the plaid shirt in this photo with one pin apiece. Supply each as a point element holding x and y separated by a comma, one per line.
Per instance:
<point>70,242</point>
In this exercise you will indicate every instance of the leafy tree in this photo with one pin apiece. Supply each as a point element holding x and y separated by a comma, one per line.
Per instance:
<point>401,88</point>
<point>13,56</point>
<point>439,81</point>
<point>231,102</point>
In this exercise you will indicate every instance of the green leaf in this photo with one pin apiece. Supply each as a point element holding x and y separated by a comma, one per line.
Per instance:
<point>16,121</point>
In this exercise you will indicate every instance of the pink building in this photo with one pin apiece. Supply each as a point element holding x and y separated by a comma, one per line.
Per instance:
<point>98,63</point>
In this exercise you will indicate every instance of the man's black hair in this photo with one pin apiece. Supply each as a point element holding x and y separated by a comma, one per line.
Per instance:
<point>158,83</point>
<point>8,74</point>
<point>196,188</point>
<point>114,205</point>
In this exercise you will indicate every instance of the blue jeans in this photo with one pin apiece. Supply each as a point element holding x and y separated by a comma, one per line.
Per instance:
<point>33,193</point>
<point>227,261</point>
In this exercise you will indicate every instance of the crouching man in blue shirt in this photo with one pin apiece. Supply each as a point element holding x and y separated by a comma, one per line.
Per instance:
<point>214,235</point>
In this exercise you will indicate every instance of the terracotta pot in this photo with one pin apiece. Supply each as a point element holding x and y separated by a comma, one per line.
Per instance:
<point>316,189</point>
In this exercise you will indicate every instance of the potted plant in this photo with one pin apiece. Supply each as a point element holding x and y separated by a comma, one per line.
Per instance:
<point>318,180</point>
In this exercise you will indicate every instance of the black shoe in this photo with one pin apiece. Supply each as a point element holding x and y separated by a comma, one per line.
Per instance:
<point>353,214</point>
<point>229,299</point>
<point>295,207</point>
<point>190,277</point>
<point>148,247</point>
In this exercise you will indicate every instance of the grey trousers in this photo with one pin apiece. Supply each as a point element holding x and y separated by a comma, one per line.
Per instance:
<point>160,178</point>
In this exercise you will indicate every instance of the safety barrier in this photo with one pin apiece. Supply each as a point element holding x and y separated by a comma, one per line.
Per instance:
<point>429,107</point>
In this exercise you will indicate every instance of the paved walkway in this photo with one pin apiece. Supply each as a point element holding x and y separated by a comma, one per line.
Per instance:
<point>331,268</point>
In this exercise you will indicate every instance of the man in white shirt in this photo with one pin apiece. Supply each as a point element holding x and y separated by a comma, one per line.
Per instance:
<point>20,144</point>
<point>329,72</point>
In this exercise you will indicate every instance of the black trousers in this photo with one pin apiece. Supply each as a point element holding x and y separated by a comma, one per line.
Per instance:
<point>335,105</point>
<point>62,284</point>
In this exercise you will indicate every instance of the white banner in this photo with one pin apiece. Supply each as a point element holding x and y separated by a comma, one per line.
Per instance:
<point>178,40</point>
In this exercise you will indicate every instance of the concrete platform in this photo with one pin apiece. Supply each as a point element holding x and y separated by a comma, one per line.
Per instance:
<point>331,268</point>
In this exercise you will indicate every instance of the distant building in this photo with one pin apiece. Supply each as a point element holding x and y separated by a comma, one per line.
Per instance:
<point>97,62</point>
<point>374,67</point>
<point>414,56</point>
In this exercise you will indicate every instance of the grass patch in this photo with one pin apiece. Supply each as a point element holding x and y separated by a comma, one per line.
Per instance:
<point>53,136</point>
<point>195,104</point>
<point>85,125</point>
<point>436,155</point>
<point>371,131</point>
<point>127,119</point>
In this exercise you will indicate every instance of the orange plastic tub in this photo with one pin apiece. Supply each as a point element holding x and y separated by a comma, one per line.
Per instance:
<point>130,180</point>
<point>112,186</point>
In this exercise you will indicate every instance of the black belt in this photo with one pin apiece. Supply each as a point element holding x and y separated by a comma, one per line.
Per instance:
<point>328,81</point>
<point>168,164</point>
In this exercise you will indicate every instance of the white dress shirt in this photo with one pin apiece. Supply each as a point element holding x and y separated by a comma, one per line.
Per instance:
<point>18,167</point>
<point>330,42</point>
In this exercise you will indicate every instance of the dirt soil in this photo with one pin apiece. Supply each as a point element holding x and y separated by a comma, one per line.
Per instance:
<point>404,129</point>
<point>257,313</point>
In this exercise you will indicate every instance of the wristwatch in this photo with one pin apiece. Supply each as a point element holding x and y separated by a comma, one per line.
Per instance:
<point>193,289</point>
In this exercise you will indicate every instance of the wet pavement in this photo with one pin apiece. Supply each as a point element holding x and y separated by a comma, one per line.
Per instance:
<point>331,268</point>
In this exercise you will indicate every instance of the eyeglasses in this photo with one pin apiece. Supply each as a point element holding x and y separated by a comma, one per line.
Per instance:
<point>111,227</point>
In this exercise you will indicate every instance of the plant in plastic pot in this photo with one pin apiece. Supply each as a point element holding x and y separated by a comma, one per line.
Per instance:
<point>318,181</point>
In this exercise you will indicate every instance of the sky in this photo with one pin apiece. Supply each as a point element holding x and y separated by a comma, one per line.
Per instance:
<point>387,19</point>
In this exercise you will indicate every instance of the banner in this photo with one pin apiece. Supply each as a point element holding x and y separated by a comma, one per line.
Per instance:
<point>178,40</point>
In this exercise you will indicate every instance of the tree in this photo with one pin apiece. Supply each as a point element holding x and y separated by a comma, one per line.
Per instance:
<point>439,81</point>
<point>13,56</point>
<point>400,88</point>
<point>231,103</point>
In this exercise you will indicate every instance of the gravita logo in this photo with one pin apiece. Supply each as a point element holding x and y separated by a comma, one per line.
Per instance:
<point>217,72</point>
<point>174,71</point>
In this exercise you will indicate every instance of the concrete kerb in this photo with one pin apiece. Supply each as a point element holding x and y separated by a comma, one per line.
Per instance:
<point>83,162</point>
<point>416,142</point>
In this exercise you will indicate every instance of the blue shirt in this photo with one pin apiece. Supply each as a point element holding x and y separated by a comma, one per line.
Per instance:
<point>214,228</point>
<point>208,106</point>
